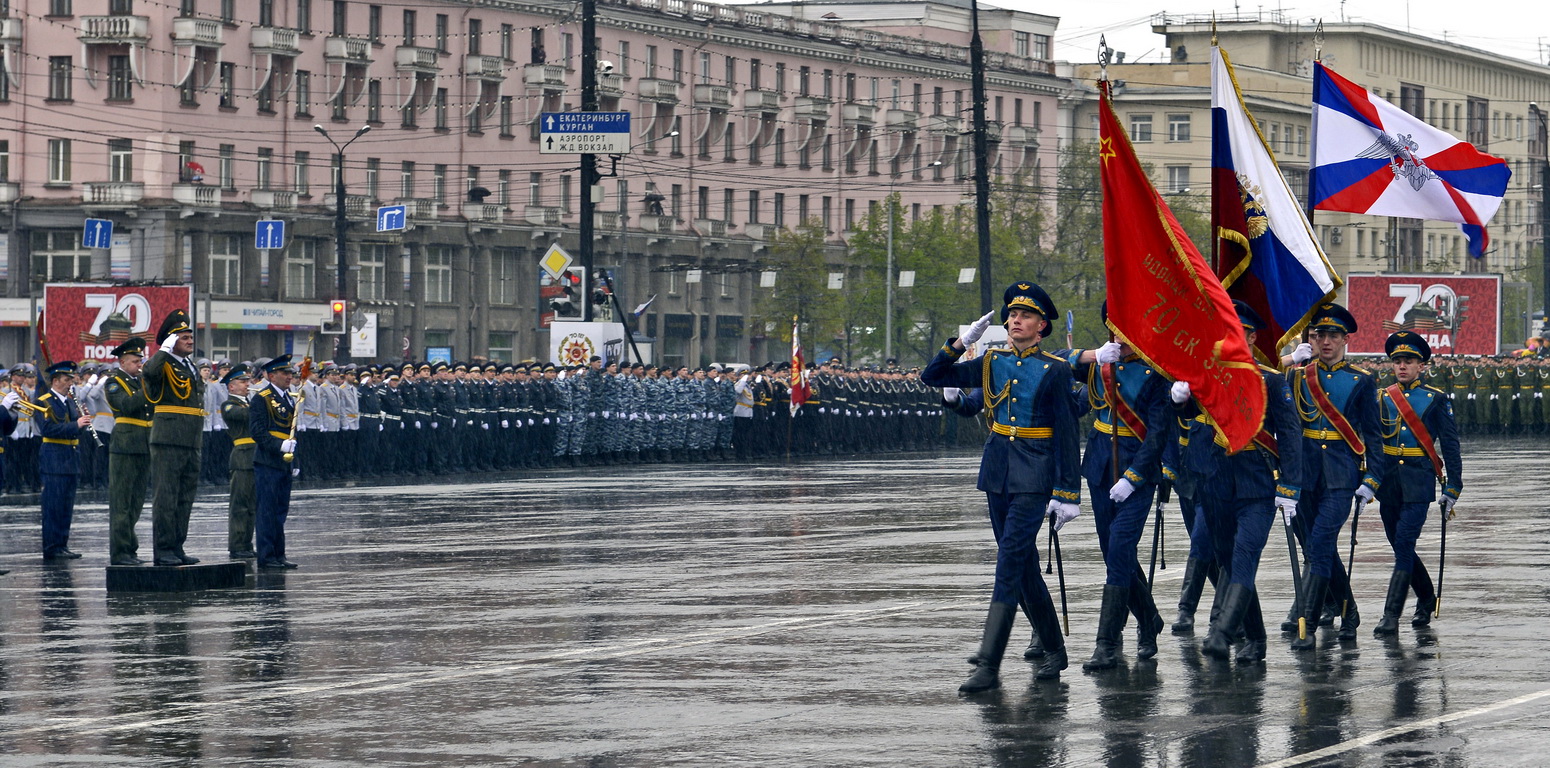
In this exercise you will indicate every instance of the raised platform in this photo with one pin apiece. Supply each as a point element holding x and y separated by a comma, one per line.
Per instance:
<point>177,578</point>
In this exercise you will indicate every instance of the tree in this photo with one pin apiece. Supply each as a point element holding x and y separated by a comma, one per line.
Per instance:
<point>800,260</point>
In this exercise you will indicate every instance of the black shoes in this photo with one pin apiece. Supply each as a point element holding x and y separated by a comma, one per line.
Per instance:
<point>277,564</point>
<point>246,554</point>
<point>186,560</point>
<point>127,560</point>
<point>1423,613</point>
<point>61,554</point>
<point>169,561</point>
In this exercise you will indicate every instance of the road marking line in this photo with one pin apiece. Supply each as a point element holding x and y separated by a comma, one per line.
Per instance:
<point>1370,739</point>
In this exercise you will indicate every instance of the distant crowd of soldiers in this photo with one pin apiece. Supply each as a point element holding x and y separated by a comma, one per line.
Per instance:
<point>427,418</point>
<point>1491,395</point>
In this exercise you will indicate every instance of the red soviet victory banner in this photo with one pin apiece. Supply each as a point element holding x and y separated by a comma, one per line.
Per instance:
<point>85,322</point>
<point>1164,299</point>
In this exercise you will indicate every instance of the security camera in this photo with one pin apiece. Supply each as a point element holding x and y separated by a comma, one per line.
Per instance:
<point>605,66</point>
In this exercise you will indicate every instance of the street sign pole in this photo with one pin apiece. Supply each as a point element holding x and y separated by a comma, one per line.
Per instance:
<point>589,177</point>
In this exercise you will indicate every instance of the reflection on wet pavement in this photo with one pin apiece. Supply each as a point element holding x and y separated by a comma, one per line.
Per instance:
<point>812,614</point>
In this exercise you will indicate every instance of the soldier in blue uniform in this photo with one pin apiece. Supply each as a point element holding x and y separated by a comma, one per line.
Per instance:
<point>1338,405</point>
<point>271,413</point>
<point>62,425</point>
<point>1245,490</point>
<point>1030,467</point>
<point>1420,447</point>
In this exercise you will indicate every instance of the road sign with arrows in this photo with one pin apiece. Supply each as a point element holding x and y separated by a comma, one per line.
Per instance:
<point>575,133</point>
<point>269,234</point>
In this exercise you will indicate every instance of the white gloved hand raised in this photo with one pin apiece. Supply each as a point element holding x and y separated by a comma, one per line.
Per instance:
<point>1179,393</point>
<point>1121,490</point>
<point>976,330</point>
<point>287,446</point>
<point>950,395</point>
<point>91,381</point>
<point>170,341</point>
<point>1302,354</point>
<point>1364,493</point>
<point>1287,507</point>
<point>1064,512</point>
<point>1108,353</point>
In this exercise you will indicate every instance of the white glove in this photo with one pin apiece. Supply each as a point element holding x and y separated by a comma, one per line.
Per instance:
<point>530,421</point>
<point>1364,493</point>
<point>380,427</point>
<point>1302,354</point>
<point>295,471</point>
<point>759,379</point>
<point>1180,392</point>
<point>505,424</point>
<point>91,381</point>
<point>1063,511</point>
<point>170,341</point>
<point>1121,490</point>
<point>821,410</point>
<point>417,424</point>
<point>435,425</point>
<point>976,330</point>
<point>1447,503</point>
<point>11,399</point>
<point>950,395</point>
<point>485,425</point>
<point>288,446</point>
<point>1108,353</point>
<point>1288,508</point>
<point>607,414</point>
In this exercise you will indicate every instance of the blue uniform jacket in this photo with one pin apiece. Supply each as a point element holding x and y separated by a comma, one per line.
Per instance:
<point>1251,472</point>
<point>58,423</point>
<point>1331,464</point>
<point>1033,444</point>
<point>1408,475</point>
<point>1146,392</point>
<point>269,423</point>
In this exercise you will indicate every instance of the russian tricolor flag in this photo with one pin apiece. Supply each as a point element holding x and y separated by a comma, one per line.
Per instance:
<point>1266,253</point>
<point>1370,156</point>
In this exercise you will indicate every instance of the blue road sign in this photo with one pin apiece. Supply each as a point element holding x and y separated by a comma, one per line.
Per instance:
<point>97,234</point>
<point>269,234</point>
<point>585,122</point>
<point>391,217</point>
<point>584,133</point>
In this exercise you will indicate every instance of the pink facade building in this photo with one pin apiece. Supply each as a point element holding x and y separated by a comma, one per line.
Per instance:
<point>187,121</point>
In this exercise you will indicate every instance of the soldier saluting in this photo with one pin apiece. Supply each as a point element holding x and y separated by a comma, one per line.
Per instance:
<point>176,390</point>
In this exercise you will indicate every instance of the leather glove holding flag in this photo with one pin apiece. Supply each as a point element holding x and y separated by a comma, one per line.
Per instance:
<point>1164,300</point>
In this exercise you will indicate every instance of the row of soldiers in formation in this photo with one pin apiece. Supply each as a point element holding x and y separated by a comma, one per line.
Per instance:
<point>436,418</point>
<point>1329,441</point>
<point>1491,395</point>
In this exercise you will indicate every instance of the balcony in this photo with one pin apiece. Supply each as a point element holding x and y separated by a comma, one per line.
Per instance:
<point>1024,136</point>
<point>197,195</point>
<point>419,208</point>
<point>487,69</point>
<point>993,130</point>
<point>606,222</point>
<point>542,215</point>
<point>942,123</point>
<point>10,191</point>
<point>204,33</point>
<point>711,227</point>
<point>902,120</point>
<point>811,108</point>
<point>484,212</point>
<point>713,96</point>
<point>10,31</point>
<point>658,224</point>
<point>354,205</point>
<point>347,50</point>
<point>275,41</point>
<point>115,30</point>
<point>610,86</point>
<point>859,115</point>
<point>763,232</point>
<point>761,101</point>
<point>274,199</point>
<point>417,59</point>
<point>112,192</point>
<point>550,77</point>
<point>659,91</point>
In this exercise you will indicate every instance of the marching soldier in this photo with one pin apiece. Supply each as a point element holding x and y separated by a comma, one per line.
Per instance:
<point>242,502</point>
<point>1029,468</point>
<point>271,423</point>
<point>62,425</point>
<point>130,457</point>
<point>1416,421</point>
<point>174,386</point>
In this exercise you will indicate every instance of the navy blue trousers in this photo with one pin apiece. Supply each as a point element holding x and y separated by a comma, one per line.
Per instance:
<point>1239,529</point>
<point>1016,519</point>
<point>273,488</point>
<point>58,510</point>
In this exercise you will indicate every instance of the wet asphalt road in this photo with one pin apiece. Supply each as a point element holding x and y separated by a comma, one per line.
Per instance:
<point>814,614</point>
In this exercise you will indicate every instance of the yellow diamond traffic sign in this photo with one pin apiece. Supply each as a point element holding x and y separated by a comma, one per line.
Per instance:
<point>555,261</point>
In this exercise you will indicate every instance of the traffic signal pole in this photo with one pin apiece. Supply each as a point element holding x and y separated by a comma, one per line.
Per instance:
<point>589,176</point>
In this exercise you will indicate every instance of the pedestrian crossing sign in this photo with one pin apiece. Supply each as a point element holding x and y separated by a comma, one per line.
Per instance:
<point>554,261</point>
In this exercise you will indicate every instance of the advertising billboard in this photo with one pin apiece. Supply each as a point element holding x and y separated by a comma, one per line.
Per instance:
<point>85,322</point>
<point>1457,314</point>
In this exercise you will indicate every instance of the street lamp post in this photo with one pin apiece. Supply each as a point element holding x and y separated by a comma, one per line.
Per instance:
<point>1542,159</point>
<point>341,228</point>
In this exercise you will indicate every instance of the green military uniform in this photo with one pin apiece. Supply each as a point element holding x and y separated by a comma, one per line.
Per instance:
<point>177,391</point>
<point>129,458</point>
<point>243,501</point>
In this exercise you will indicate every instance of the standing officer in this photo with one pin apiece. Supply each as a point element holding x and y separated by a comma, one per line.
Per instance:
<point>1338,405</point>
<point>271,416</point>
<point>129,462</point>
<point>1030,467</point>
<point>62,424</point>
<point>1416,420</point>
<point>173,385</point>
<point>242,503</point>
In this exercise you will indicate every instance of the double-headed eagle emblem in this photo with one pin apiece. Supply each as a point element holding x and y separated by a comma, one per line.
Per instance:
<point>1400,152</point>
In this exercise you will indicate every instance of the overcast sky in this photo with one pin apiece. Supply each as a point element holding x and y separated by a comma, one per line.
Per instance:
<point>1518,29</point>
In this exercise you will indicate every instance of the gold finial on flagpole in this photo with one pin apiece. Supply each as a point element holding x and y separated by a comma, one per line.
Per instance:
<point>1213,29</point>
<point>1318,40</point>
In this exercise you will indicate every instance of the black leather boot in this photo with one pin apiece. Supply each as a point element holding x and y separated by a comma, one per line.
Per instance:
<point>1189,596</point>
<point>1148,626</point>
<point>998,629</point>
<point>1217,599</point>
<point>1423,613</point>
<point>1035,649</point>
<point>1252,651</point>
<point>1054,652</point>
<point>1314,588</point>
<point>1394,604</point>
<point>1350,619</point>
<point>1111,622</point>
<point>1218,642</point>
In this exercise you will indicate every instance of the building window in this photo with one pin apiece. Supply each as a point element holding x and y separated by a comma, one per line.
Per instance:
<point>1178,127</point>
<point>439,184</point>
<point>228,88</point>
<point>1020,43</point>
<point>61,70</point>
<point>302,179</point>
<point>1412,99</point>
<point>438,274</point>
<point>225,265</point>
<point>406,179</point>
<point>500,346</point>
<point>508,42</point>
<point>1178,178</point>
<point>58,255</point>
<point>373,177</point>
<point>227,169</point>
<point>120,79</point>
<point>441,109</point>
<point>266,13</point>
<point>374,23</point>
<point>503,277</point>
<point>535,189</point>
<point>265,168</point>
<point>441,32</point>
<point>301,269</point>
<point>1140,128</point>
<point>341,17</point>
<point>507,122</point>
<point>374,101</point>
<point>224,343</point>
<point>229,11</point>
<point>5,160</point>
<point>475,33</point>
<point>264,98</point>
<point>304,16</point>
<point>120,160</point>
<point>371,285</point>
<point>304,93</point>
<point>779,210</point>
<point>409,27</point>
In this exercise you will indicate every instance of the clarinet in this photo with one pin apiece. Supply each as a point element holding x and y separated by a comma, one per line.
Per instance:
<point>90,427</point>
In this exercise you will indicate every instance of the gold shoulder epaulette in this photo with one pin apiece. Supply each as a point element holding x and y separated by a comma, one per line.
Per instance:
<point>1268,369</point>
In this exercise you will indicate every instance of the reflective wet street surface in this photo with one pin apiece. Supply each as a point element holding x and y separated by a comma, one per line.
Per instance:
<point>814,614</point>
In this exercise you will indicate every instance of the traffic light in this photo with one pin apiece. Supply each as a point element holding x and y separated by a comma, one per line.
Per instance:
<point>334,323</point>
<point>566,303</point>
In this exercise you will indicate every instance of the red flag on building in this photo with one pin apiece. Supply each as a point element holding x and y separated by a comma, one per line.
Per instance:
<point>1164,299</point>
<point>798,371</point>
